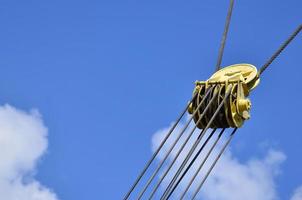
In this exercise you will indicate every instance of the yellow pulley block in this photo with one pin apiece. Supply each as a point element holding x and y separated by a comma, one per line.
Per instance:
<point>241,79</point>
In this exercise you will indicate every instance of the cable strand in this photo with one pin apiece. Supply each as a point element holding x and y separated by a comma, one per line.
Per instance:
<point>158,149</point>
<point>281,48</point>
<point>214,163</point>
<point>225,34</point>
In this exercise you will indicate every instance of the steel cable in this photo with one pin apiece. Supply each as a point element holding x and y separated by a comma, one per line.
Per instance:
<point>214,163</point>
<point>183,145</point>
<point>225,33</point>
<point>281,48</point>
<point>158,149</point>
<point>196,143</point>
<point>201,165</point>
<point>193,160</point>
<point>171,148</point>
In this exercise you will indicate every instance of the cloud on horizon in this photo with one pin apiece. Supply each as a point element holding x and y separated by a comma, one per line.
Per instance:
<point>23,140</point>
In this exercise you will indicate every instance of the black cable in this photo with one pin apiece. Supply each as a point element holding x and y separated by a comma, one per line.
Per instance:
<point>183,145</point>
<point>225,33</point>
<point>196,143</point>
<point>214,163</point>
<point>201,164</point>
<point>281,48</point>
<point>193,160</point>
<point>171,148</point>
<point>158,149</point>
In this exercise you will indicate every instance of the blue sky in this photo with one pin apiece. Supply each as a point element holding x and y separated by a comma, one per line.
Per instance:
<point>106,75</point>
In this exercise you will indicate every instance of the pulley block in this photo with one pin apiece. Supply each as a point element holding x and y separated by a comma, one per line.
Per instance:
<point>241,78</point>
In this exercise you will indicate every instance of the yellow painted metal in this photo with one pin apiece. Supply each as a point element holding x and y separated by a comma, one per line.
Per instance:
<point>236,109</point>
<point>244,72</point>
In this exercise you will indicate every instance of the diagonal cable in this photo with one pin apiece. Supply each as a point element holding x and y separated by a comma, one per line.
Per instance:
<point>196,143</point>
<point>214,163</point>
<point>225,34</point>
<point>202,164</point>
<point>158,149</point>
<point>183,145</point>
<point>193,160</point>
<point>171,148</point>
<point>281,48</point>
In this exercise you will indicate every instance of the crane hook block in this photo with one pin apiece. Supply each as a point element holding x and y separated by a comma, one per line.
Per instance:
<point>236,107</point>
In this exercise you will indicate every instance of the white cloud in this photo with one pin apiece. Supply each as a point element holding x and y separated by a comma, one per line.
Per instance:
<point>254,179</point>
<point>297,194</point>
<point>23,140</point>
<point>231,179</point>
